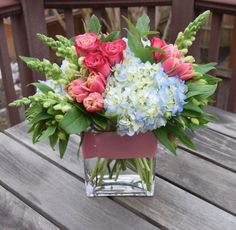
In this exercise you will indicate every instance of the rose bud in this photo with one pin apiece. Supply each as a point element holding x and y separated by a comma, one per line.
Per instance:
<point>113,51</point>
<point>86,43</point>
<point>170,65</point>
<point>96,82</point>
<point>171,51</point>
<point>186,71</point>
<point>95,61</point>
<point>157,43</point>
<point>77,90</point>
<point>93,102</point>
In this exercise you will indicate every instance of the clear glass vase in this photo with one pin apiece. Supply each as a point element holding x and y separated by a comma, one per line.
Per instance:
<point>119,166</point>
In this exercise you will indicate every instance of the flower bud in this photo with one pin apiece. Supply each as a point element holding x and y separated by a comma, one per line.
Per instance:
<point>195,121</point>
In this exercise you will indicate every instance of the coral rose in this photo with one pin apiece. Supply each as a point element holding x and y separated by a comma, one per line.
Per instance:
<point>86,43</point>
<point>113,51</point>
<point>95,61</point>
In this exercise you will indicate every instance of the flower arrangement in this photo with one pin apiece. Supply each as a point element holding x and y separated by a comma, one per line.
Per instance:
<point>130,86</point>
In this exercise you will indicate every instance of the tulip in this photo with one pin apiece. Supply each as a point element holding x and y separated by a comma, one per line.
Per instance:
<point>93,102</point>
<point>96,82</point>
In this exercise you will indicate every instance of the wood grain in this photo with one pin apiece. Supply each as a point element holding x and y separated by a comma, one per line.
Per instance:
<point>15,214</point>
<point>205,179</point>
<point>171,207</point>
<point>226,124</point>
<point>215,147</point>
<point>60,195</point>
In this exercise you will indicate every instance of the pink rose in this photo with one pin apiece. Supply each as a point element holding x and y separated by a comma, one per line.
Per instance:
<point>171,51</point>
<point>113,51</point>
<point>86,43</point>
<point>93,102</point>
<point>157,43</point>
<point>95,61</point>
<point>96,82</point>
<point>77,90</point>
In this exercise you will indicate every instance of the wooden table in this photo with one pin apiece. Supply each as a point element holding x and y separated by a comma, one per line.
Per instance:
<point>195,190</point>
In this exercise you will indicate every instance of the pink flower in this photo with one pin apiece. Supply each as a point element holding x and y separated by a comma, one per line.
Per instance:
<point>77,90</point>
<point>93,102</point>
<point>157,43</point>
<point>95,61</point>
<point>113,51</point>
<point>176,67</point>
<point>171,51</point>
<point>96,82</point>
<point>86,43</point>
<point>170,66</point>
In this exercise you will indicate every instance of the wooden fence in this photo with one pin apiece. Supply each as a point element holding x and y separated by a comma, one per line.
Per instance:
<point>27,19</point>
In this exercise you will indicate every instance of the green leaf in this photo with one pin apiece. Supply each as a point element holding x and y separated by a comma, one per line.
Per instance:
<point>143,24</point>
<point>132,28</point>
<point>145,34</point>
<point>193,107</point>
<point>198,89</point>
<point>94,25</point>
<point>48,132</point>
<point>162,136</point>
<point>204,68</point>
<point>39,127</point>
<point>210,117</point>
<point>53,140</point>
<point>74,121</point>
<point>100,121</point>
<point>43,88</point>
<point>28,59</point>
<point>40,117</point>
<point>63,145</point>
<point>211,79</point>
<point>111,37</point>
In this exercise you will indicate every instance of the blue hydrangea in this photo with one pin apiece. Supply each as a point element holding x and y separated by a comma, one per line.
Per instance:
<point>140,95</point>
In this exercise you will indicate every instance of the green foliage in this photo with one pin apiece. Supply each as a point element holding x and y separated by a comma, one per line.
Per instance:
<point>184,39</point>
<point>111,37</point>
<point>94,25</point>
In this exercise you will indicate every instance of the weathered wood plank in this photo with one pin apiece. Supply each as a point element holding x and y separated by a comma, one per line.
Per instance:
<point>171,207</point>
<point>15,214</point>
<point>216,147</point>
<point>61,196</point>
<point>203,178</point>
<point>226,124</point>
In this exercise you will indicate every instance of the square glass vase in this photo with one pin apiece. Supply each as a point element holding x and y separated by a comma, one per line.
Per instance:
<point>119,165</point>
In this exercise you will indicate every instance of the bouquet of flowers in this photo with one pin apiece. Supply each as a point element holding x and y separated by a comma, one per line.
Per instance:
<point>113,91</point>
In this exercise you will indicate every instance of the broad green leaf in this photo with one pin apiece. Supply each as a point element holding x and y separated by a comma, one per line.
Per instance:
<point>132,28</point>
<point>42,87</point>
<point>162,136</point>
<point>143,24</point>
<point>40,117</point>
<point>74,121</point>
<point>111,37</point>
<point>211,79</point>
<point>191,106</point>
<point>204,68</point>
<point>38,129</point>
<point>154,49</point>
<point>53,140</point>
<point>94,25</point>
<point>145,34</point>
<point>203,90</point>
<point>48,132</point>
<point>63,145</point>
<point>100,121</point>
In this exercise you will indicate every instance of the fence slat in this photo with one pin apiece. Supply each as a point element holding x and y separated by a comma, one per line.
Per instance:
<point>182,15</point>
<point>7,80</point>
<point>35,23</point>
<point>152,15</point>
<point>21,47</point>
<point>70,31</point>
<point>214,47</point>
<point>123,12</point>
